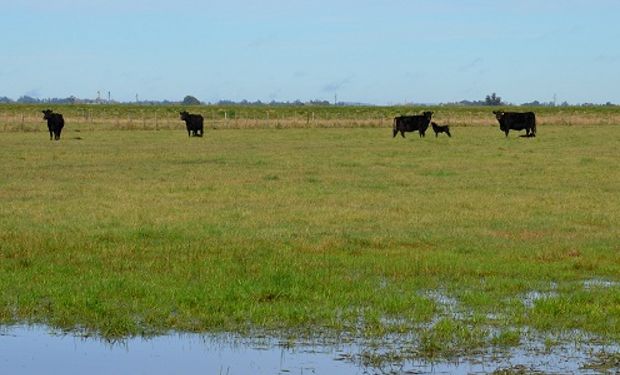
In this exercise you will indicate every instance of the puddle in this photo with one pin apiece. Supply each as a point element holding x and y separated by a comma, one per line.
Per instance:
<point>449,306</point>
<point>600,283</point>
<point>37,349</point>
<point>530,298</point>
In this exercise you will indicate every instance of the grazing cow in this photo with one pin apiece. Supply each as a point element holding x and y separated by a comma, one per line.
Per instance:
<point>55,123</point>
<point>517,121</point>
<point>418,123</point>
<point>441,129</point>
<point>193,124</point>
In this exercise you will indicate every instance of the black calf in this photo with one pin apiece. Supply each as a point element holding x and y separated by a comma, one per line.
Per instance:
<point>441,129</point>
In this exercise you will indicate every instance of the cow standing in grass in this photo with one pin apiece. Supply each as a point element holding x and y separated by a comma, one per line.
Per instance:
<point>55,123</point>
<point>517,121</point>
<point>417,123</point>
<point>193,123</point>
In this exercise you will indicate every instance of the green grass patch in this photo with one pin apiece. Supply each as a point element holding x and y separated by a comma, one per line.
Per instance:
<point>307,230</point>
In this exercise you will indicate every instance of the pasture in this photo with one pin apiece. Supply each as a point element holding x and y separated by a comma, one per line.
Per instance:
<point>465,243</point>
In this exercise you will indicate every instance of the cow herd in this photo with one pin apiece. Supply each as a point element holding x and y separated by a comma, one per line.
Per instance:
<point>507,121</point>
<point>402,124</point>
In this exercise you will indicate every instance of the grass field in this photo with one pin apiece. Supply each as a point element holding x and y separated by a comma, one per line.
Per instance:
<point>467,241</point>
<point>21,117</point>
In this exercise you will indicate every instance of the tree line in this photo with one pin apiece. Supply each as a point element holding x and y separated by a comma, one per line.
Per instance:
<point>490,100</point>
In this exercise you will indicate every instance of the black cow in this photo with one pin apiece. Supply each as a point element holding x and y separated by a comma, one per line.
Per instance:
<point>193,123</point>
<point>517,121</point>
<point>55,123</point>
<point>414,123</point>
<point>441,129</point>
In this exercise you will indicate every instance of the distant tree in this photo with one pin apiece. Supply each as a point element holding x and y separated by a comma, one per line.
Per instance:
<point>190,100</point>
<point>319,102</point>
<point>27,100</point>
<point>5,100</point>
<point>535,103</point>
<point>493,99</point>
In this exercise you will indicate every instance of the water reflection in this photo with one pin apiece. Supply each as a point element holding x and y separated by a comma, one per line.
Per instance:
<point>39,350</point>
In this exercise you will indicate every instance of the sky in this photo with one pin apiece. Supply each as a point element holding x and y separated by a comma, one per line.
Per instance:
<point>367,51</point>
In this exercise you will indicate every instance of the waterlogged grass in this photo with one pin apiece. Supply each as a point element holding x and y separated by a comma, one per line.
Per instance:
<point>314,231</point>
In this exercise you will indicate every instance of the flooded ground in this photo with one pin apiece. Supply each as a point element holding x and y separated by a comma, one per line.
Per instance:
<point>37,350</point>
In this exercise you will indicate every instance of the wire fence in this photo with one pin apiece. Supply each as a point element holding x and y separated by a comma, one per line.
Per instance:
<point>32,121</point>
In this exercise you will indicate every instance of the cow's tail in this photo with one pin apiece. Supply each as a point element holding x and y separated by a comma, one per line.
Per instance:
<point>534,128</point>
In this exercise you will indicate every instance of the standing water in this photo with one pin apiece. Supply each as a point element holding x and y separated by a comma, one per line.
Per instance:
<point>39,350</point>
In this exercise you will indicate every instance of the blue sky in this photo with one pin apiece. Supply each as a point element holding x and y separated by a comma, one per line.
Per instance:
<point>371,51</point>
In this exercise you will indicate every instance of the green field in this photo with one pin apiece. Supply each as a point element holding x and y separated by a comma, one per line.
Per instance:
<point>314,231</point>
<point>20,117</point>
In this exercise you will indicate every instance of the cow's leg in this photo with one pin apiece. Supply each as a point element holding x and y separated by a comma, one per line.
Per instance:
<point>394,132</point>
<point>448,132</point>
<point>51,135</point>
<point>506,131</point>
<point>402,133</point>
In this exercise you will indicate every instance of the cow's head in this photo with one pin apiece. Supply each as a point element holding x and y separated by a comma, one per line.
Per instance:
<point>47,114</point>
<point>499,114</point>
<point>184,115</point>
<point>427,114</point>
